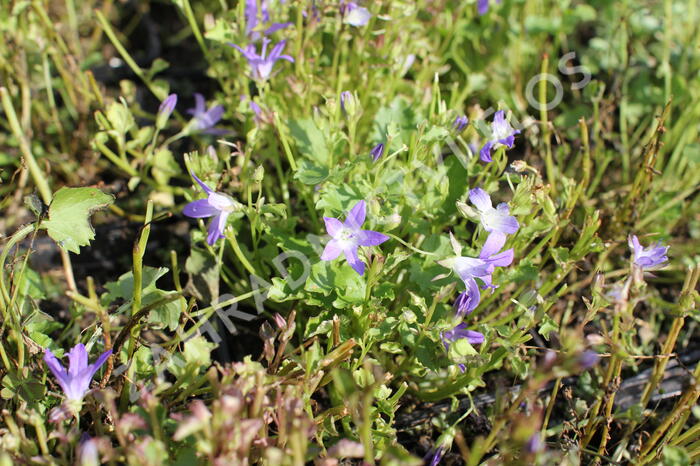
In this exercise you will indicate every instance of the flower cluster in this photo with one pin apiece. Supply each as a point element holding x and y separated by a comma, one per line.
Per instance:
<point>498,223</point>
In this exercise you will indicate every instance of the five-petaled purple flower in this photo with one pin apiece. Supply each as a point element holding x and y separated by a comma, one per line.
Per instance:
<point>653,256</point>
<point>460,123</point>
<point>502,134</point>
<point>497,221</point>
<point>204,119</point>
<point>353,14</point>
<point>261,65</point>
<point>377,151</point>
<point>348,236</point>
<point>471,268</point>
<point>482,6</point>
<point>217,205</point>
<point>459,332</point>
<point>253,17</point>
<point>75,382</point>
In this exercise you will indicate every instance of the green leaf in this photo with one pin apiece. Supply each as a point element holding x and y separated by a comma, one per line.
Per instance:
<point>69,216</point>
<point>310,140</point>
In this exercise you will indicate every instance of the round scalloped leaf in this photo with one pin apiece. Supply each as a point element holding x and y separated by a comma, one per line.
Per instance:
<point>69,216</point>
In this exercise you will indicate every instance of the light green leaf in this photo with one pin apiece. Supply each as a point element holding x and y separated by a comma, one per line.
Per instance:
<point>69,216</point>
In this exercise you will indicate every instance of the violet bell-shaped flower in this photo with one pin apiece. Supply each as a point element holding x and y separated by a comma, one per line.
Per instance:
<point>377,151</point>
<point>502,134</point>
<point>471,268</point>
<point>353,14</point>
<point>75,381</point>
<point>217,205</point>
<point>204,119</point>
<point>651,257</point>
<point>460,123</point>
<point>348,236</point>
<point>261,65</point>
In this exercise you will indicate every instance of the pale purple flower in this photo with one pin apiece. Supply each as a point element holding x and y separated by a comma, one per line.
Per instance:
<point>502,134</point>
<point>205,119</point>
<point>482,6</point>
<point>434,456</point>
<point>345,96</point>
<point>534,444</point>
<point>354,15</point>
<point>460,123</point>
<point>459,332</point>
<point>261,65</point>
<point>217,205</point>
<point>253,17</point>
<point>471,268</point>
<point>75,382</point>
<point>165,110</point>
<point>348,236</point>
<point>377,151</point>
<point>653,256</point>
<point>588,359</point>
<point>497,221</point>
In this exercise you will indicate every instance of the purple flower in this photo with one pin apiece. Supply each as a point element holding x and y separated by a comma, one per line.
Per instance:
<point>482,6</point>
<point>496,221</point>
<point>434,456</point>
<point>354,15</point>
<point>471,268</point>
<point>204,120</point>
<point>377,151</point>
<point>502,134</point>
<point>459,332</point>
<point>460,123</point>
<point>253,18</point>
<point>345,97</point>
<point>75,382</point>
<point>588,359</point>
<point>348,236</point>
<point>534,444</point>
<point>217,205</point>
<point>165,110</point>
<point>467,301</point>
<point>649,257</point>
<point>261,65</point>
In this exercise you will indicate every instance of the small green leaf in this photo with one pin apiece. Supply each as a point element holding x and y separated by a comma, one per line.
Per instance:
<point>69,216</point>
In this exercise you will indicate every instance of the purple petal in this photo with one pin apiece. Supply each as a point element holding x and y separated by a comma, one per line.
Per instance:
<point>508,141</point>
<point>200,209</point>
<point>356,216</point>
<point>216,228</point>
<point>468,267</point>
<point>482,7</point>
<point>503,259</point>
<point>493,244</point>
<point>354,260</point>
<point>55,365</point>
<point>331,251</point>
<point>199,104</point>
<point>277,50</point>
<point>333,225</point>
<point>247,52</point>
<point>371,238</point>
<point>480,199</point>
<point>94,367</point>
<point>77,360</point>
<point>276,27</point>
<point>485,153</point>
<point>206,188</point>
<point>468,300</point>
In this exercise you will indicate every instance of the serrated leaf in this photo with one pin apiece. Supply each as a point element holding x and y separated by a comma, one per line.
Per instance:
<point>69,216</point>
